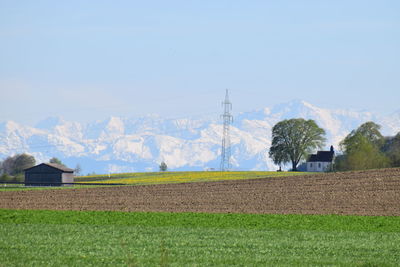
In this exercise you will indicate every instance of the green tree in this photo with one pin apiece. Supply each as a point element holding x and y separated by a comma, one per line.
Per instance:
<point>369,130</point>
<point>163,166</point>
<point>22,162</point>
<point>279,158</point>
<point>6,178</point>
<point>391,148</point>
<point>56,161</point>
<point>340,163</point>
<point>16,164</point>
<point>363,155</point>
<point>294,139</point>
<point>7,165</point>
<point>362,149</point>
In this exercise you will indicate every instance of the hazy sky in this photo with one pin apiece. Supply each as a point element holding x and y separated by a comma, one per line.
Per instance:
<point>86,60</point>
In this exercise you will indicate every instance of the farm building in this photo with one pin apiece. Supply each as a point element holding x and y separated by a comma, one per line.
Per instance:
<point>321,162</point>
<point>48,174</point>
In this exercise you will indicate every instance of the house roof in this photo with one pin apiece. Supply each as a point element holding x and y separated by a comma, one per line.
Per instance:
<point>322,156</point>
<point>54,165</point>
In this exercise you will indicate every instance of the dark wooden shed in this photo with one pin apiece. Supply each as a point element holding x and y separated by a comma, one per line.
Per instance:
<point>48,174</point>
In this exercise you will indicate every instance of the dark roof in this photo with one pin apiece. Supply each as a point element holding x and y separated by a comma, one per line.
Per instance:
<point>322,156</point>
<point>60,167</point>
<point>54,165</point>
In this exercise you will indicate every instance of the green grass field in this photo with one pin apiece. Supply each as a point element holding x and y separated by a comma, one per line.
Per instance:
<point>73,238</point>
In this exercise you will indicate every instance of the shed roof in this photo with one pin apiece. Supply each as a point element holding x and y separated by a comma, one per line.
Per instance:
<point>322,156</point>
<point>54,165</point>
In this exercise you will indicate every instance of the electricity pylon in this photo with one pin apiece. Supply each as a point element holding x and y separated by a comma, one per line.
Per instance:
<point>226,139</point>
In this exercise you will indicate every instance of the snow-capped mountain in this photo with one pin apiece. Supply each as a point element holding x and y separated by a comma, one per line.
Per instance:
<point>140,144</point>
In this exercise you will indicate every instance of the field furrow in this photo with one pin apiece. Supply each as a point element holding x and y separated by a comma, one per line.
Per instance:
<point>375,192</point>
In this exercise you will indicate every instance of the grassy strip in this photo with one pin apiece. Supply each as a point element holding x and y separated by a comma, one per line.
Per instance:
<point>206,220</point>
<point>146,178</point>
<point>73,238</point>
<point>175,177</point>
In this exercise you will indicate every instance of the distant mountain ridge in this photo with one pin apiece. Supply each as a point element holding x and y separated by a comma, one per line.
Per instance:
<point>140,144</point>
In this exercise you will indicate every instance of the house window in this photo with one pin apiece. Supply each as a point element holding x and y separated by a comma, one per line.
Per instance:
<point>310,165</point>
<point>319,165</point>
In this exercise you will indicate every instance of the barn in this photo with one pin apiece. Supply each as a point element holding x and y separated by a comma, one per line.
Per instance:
<point>48,174</point>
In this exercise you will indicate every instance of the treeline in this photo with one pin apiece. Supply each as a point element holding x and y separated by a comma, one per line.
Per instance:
<point>366,148</point>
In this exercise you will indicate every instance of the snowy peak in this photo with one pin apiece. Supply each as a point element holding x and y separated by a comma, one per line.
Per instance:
<point>292,109</point>
<point>140,144</point>
<point>115,124</point>
<point>114,128</point>
<point>49,123</point>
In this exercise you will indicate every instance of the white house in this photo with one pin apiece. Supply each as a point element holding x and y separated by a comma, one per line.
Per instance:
<point>321,162</point>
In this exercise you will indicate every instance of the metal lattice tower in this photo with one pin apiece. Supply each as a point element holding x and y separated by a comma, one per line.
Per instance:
<point>226,140</point>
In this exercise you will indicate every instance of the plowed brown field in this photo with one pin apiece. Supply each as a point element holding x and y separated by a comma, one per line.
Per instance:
<point>375,192</point>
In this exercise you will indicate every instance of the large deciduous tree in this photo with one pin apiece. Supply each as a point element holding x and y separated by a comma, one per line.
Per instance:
<point>369,130</point>
<point>294,139</point>
<point>362,149</point>
<point>15,165</point>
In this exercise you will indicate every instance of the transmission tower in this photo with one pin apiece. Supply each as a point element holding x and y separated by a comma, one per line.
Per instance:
<point>226,139</point>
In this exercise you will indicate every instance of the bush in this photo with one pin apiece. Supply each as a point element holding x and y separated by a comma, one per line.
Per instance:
<point>6,178</point>
<point>20,178</point>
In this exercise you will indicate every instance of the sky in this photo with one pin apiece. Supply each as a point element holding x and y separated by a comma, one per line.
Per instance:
<point>89,60</point>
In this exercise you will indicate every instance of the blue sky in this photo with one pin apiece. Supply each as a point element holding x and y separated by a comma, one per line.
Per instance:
<point>87,60</point>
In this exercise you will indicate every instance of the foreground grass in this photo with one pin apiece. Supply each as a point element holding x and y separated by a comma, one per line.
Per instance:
<point>36,238</point>
<point>180,177</point>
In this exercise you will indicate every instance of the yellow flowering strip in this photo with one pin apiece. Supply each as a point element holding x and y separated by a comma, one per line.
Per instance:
<point>180,177</point>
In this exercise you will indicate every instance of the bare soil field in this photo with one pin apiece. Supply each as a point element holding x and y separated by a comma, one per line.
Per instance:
<point>375,192</point>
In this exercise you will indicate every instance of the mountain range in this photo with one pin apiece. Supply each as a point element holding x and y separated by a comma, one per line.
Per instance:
<point>141,144</point>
